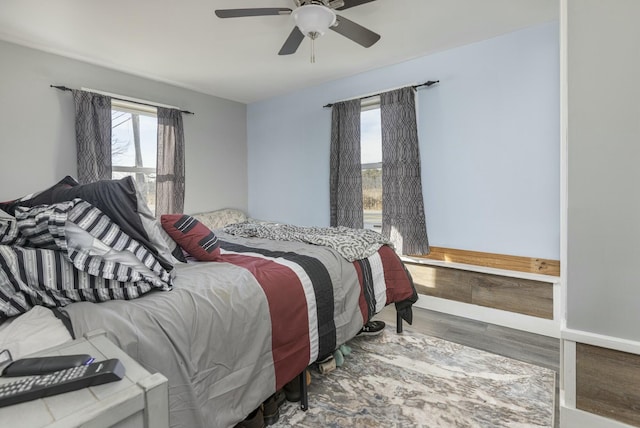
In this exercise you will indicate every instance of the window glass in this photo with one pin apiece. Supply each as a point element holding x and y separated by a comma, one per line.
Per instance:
<point>134,147</point>
<point>371,158</point>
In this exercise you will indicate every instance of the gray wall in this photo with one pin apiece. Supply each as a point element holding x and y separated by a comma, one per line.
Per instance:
<point>603,284</point>
<point>37,141</point>
<point>489,142</point>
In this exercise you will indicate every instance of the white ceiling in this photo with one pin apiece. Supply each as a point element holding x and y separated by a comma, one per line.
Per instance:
<point>184,43</point>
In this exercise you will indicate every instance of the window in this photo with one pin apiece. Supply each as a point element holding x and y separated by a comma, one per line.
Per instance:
<point>134,146</point>
<point>371,159</point>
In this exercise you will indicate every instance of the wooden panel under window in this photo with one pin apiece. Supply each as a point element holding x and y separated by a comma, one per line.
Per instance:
<point>523,296</point>
<point>498,261</point>
<point>518,295</point>
<point>607,383</point>
<point>440,282</point>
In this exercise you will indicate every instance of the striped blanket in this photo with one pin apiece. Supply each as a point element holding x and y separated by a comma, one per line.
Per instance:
<point>52,255</point>
<point>231,333</point>
<point>352,244</point>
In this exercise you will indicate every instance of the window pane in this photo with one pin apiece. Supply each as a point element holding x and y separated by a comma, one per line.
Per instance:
<point>372,197</point>
<point>371,158</point>
<point>370,136</point>
<point>123,147</point>
<point>134,150</point>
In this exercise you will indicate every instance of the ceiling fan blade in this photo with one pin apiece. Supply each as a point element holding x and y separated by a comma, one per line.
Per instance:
<point>356,32</point>
<point>292,43</point>
<point>352,3</point>
<point>265,11</point>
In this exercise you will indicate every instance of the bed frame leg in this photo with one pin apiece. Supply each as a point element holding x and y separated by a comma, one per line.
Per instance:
<point>304,397</point>
<point>398,323</point>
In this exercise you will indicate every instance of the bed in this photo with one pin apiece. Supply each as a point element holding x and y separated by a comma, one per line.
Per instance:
<point>227,332</point>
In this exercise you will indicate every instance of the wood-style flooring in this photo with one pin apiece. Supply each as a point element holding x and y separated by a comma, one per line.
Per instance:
<point>523,346</point>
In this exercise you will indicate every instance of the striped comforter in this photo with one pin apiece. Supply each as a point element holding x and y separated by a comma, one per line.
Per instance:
<point>71,251</point>
<point>233,332</point>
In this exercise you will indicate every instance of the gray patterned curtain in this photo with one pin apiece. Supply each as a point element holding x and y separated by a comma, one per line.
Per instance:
<point>346,168</point>
<point>93,136</point>
<point>170,167</point>
<point>403,220</point>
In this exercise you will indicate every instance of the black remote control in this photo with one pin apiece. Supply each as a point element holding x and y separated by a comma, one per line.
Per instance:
<point>33,387</point>
<point>43,365</point>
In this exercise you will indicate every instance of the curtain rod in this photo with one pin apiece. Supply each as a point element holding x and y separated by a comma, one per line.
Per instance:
<point>64,88</point>
<point>427,84</point>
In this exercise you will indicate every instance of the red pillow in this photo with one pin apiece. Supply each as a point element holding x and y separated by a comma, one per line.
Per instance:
<point>194,237</point>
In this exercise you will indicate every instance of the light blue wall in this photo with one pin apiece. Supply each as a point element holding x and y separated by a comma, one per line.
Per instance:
<point>489,140</point>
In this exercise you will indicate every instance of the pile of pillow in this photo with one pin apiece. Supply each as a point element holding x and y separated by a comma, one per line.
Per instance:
<point>220,218</point>
<point>99,241</point>
<point>192,236</point>
<point>73,242</point>
<point>193,233</point>
<point>120,201</point>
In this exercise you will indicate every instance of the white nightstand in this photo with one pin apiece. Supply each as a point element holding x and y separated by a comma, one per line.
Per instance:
<point>139,400</point>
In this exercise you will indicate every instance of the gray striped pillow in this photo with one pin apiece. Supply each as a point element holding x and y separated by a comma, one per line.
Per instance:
<point>73,252</point>
<point>91,241</point>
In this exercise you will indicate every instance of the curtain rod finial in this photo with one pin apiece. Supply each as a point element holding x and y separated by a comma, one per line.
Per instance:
<point>62,88</point>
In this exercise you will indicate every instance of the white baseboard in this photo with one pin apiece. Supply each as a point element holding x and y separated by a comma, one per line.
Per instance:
<point>493,316</point>
<point>576,418</point>
<point>596,339</point>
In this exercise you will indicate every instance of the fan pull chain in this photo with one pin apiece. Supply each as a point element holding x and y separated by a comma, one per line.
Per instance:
<point>313,35</point>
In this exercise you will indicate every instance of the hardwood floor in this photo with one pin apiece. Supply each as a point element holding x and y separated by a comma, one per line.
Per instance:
<point>523,346</point>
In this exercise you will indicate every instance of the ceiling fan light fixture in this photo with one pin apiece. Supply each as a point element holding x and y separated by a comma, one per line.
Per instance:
<point>314,20</point>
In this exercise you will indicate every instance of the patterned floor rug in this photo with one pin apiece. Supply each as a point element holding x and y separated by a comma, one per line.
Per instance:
<point>413,380</point>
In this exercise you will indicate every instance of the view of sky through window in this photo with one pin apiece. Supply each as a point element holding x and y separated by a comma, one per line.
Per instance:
<point>122,139</point>
<point>371,136</point>
<point>124,126</point>
<point>371,158</point>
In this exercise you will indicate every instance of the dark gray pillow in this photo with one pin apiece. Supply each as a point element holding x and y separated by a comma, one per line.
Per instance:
<point>43,197</point>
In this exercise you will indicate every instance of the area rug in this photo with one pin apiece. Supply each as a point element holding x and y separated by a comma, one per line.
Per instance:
<point>414,380</point>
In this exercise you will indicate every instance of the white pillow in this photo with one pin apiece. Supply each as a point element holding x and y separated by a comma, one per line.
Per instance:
<point>221,218</point>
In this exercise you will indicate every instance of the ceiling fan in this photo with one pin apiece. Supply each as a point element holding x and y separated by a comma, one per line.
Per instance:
<point>312,18</point>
